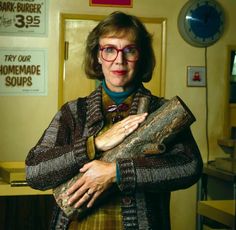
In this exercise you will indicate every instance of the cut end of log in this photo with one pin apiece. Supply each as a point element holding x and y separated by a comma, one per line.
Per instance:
<point>186,108</point>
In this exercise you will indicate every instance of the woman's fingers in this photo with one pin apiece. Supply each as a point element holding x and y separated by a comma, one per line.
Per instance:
<point>77,195</point>
<point>80,181</point>
<point>117,133</point>
<point>93,198</point>
<point>97,177</point>
<point>86,167</point>
<point>131,123</point>
<point>75,186</point>
<point>85,198</point>
<point>128,129</point>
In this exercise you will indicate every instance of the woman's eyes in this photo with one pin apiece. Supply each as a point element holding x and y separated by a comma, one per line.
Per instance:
<point>130,50</point>
<point>110,49</point>
<point>125,50</point>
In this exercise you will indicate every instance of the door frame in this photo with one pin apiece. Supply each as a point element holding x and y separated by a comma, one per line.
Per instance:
<point>62,47</point>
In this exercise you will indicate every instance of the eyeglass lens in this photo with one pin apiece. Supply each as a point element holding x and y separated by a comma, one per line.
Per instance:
<point>110,53</point>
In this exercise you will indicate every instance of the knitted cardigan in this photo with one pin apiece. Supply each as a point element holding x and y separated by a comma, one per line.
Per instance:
<point>146,182</point>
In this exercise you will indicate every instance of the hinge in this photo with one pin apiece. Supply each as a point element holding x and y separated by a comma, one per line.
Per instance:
<point>66,51</point>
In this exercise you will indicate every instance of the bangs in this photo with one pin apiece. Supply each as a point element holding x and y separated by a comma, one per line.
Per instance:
<point>114,32</point>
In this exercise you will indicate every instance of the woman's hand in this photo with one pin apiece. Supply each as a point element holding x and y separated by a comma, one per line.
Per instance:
<point>117,133</point>
<point>97,177</point>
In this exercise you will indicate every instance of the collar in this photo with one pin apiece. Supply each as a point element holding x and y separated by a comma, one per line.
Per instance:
<point>94,105</point>
<point>118,97</point>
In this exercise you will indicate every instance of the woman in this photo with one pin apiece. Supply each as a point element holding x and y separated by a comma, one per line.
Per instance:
<point>120,54</point>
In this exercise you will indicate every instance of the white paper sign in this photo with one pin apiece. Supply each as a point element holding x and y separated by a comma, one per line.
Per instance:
<point>23,72</point>
<point>24,17</point>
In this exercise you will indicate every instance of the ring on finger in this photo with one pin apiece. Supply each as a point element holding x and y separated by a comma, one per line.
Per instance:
<point>88,194</point>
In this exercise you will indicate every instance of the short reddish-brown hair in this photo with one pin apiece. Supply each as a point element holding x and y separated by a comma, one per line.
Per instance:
<point>118,24</point>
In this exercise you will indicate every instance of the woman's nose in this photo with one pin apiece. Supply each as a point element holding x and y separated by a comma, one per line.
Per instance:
<point>120,59</point>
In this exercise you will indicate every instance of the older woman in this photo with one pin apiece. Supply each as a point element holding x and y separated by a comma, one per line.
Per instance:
<point>120,54</point>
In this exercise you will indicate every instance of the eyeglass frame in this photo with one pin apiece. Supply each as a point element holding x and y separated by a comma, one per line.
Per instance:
<point>101,48</point>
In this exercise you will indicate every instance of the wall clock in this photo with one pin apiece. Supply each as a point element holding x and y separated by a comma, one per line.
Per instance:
<point>201,22</point>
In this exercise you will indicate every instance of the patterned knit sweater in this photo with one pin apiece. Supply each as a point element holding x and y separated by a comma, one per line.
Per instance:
<point>146,182</point>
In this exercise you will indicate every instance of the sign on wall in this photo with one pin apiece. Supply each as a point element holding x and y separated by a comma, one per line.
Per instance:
<point>23,17</point>
<point>23,72</point>
<point>120,3</point>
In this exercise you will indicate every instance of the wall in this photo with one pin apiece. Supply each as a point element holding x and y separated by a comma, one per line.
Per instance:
<point>23,119</point>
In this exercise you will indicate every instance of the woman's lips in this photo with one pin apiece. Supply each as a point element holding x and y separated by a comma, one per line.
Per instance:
<point>119,72</point>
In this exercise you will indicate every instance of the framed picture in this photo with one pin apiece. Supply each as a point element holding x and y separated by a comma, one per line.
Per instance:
<point>114,3</point>
<point>196,76</point>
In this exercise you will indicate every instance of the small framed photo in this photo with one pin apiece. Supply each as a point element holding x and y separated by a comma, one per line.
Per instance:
<point>114,3</point>
<point>196,76</point>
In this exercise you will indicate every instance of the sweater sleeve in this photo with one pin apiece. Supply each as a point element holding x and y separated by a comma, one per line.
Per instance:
<point>178,168</point>
<point>59,154</point>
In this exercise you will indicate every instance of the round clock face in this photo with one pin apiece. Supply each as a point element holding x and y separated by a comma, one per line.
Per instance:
<point>201,22</point>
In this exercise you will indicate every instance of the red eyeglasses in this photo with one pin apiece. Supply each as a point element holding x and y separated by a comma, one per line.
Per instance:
<point>110,53</point>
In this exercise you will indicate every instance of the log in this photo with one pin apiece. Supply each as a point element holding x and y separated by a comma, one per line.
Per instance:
<point>152,137</point>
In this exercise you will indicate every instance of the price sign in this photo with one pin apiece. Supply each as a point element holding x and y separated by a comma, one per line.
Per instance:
<point>23,17</point>
<point>27,21</point>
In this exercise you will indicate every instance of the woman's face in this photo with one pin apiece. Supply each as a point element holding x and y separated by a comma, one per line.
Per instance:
<point>120,72</point>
